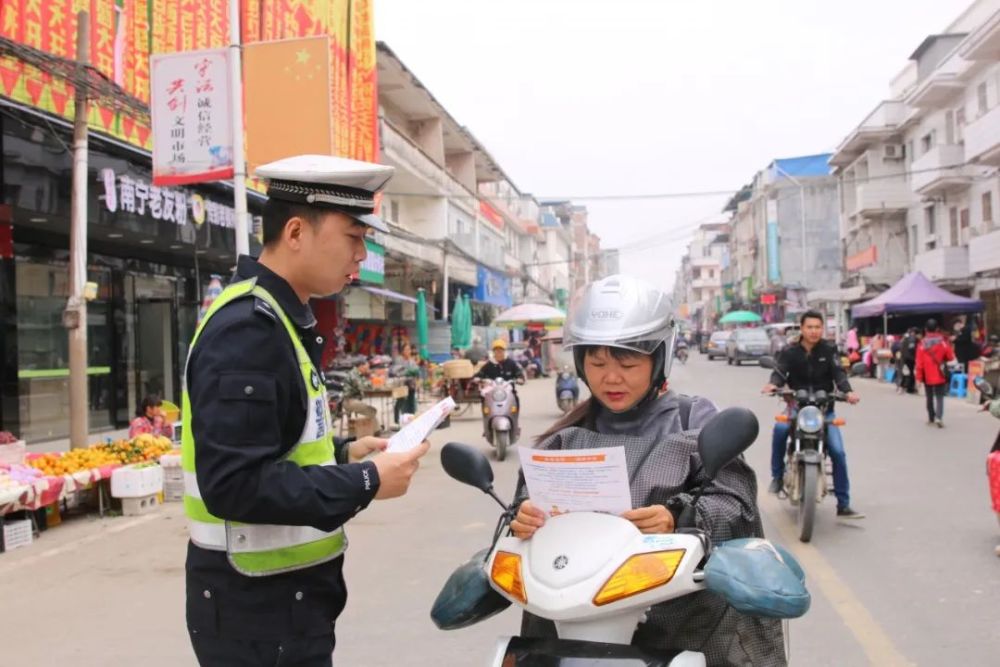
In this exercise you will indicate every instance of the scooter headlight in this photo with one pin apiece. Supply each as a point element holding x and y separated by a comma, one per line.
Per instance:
<point>638,574</point>
<point>506,574</point>
<point>810,419</point>
<point>499,395</point>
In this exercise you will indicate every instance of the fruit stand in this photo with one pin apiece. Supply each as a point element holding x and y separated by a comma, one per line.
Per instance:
<point>40,481</point>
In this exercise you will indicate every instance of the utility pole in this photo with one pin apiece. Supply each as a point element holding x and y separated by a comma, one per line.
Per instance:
<point>239,160</point>
<point>75,316</point>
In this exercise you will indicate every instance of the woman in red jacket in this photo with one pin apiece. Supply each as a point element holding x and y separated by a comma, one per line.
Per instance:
<point>933,354</point>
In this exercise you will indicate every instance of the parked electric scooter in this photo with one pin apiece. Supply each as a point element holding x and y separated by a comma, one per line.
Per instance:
<point>567,390</point>
<point>500,415</point>
<point>596,575</point>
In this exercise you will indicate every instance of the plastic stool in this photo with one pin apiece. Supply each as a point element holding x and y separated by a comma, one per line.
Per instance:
<point>890,373</point>
<point>959,385</point>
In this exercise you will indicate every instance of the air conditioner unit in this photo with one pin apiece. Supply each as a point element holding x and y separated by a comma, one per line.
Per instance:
<point>893,151</point>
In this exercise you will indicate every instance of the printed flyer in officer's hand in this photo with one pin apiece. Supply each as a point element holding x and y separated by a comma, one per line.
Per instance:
<point>420,428</point>
<point>577,480</point>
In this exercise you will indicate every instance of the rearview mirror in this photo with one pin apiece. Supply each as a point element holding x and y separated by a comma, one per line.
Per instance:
<point>983,386</point>
<point>768,362</point>
<point>726,436</point>
<point>467,465</point>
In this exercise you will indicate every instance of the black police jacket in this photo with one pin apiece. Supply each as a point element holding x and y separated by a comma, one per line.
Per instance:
<point>240,439</point>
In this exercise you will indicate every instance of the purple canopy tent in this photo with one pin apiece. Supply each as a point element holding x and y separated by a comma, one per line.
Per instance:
<point>914,294</point>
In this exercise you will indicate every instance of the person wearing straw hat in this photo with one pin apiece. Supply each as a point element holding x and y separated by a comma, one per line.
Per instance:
<point>268,488</point>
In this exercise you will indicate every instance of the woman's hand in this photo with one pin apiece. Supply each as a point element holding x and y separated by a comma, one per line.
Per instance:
<point>362,447</point>
<point>651,520</point>
<point>529,519</point>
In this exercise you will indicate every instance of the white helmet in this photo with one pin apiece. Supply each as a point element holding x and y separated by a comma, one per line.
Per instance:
<point>623,312</point>
<point>619,311</point>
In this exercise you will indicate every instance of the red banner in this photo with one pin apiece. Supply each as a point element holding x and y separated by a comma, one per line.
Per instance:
<point>864,259</point>
<point>124,33</point>
<point>490,213</point>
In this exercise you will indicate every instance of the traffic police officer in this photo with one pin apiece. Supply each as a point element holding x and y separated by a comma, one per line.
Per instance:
<point>267,487</point>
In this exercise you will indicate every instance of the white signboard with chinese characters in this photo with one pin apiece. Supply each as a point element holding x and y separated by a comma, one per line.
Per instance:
<point>192,117</point>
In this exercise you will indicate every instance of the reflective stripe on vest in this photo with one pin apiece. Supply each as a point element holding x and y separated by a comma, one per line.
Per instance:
<point>260,549</point>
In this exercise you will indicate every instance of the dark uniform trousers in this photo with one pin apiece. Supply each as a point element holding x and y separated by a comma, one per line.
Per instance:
<point>300,652</point>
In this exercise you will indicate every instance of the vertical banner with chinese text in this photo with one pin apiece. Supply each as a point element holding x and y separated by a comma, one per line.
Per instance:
<point>192,117</point>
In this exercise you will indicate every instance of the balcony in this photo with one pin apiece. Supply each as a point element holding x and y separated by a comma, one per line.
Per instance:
<point>417,172</point>
<point>984,43</point>
<point>885,121</point>
<point>982,138</point>
<point>938,89</point>
<point>707,283</point>
<point>882,198</point>
<point>984,252</point>
<point>941,170</point>
<point>710,261</point>
<point>943,264</point>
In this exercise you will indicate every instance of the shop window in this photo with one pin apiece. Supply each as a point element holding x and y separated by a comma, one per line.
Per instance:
<point>43,351</point>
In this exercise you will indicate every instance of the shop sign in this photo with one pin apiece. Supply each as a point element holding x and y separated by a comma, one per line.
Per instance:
<point>131,194</point>
<point>493,288</point>
<point>865,258</point>
<point>768,299</point>
<point>373,268</point>
<point>192,117</point>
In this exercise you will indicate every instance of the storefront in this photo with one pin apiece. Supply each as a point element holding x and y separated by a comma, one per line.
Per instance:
<point>493,292</point>
<point>151,252</point>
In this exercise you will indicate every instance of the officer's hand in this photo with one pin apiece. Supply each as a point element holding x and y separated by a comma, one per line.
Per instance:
<point>362,447</point>
<point>395,470</point>
<point>529,519</point>
<point>768,389</point>
<point>651,520</point>
<point>853,398</point>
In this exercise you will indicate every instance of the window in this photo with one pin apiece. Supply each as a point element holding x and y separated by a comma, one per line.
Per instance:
<point>982,99</point>
<point>988,210</point>
<point>963,223</point>
<point>949,127</point>
<point>953,224</point>
<point>959,124</point>
<point>927,142</point>
<point>909,151</point>
<point>395,211</point>
<point>913,240</point>
<point>930,224</point>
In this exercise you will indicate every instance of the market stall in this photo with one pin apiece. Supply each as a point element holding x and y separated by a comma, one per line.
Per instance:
<point>34,487</point>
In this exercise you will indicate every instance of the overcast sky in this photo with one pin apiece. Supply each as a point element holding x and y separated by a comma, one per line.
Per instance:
<point>636,97</point>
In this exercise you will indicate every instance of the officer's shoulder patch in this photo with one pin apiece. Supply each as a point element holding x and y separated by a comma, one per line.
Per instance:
<point>263,308</point>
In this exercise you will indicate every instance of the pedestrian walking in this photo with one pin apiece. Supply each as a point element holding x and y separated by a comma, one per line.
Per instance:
<point>933,356</point>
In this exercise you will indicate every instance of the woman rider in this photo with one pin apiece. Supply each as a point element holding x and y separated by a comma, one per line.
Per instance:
<point>621,334</point>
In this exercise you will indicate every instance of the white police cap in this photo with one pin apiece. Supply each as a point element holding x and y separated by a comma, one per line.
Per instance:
<point>337,183</point>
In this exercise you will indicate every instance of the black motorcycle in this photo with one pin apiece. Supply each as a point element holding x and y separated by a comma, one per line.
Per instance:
<point>805,481</point>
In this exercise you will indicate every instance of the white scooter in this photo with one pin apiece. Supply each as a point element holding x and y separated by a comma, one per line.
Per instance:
<point>596,575</point>
<point>500,418</point>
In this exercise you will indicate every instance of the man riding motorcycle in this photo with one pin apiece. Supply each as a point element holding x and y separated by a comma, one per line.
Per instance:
<point>812,363</point>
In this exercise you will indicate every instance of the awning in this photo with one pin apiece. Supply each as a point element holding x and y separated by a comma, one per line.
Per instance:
<point>389,294</point>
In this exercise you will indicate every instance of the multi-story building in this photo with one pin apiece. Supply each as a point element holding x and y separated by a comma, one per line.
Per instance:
<point>698,286</point>
<point>918,176</point>
<point>785,237</point>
